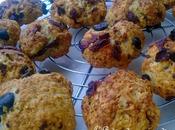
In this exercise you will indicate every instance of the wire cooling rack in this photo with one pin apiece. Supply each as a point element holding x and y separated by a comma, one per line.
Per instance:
<point>77,70</point>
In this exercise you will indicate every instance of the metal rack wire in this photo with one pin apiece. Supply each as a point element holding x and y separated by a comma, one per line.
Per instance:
<point>90,73</point>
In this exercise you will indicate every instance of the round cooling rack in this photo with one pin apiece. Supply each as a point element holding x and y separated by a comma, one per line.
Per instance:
<point>80,73</point>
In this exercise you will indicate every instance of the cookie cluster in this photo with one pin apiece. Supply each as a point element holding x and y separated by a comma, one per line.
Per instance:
<point>159,66</point>
<point>22,11</point>
<point>117,101</point>
<point>145,13</point>
<point>122,100</point>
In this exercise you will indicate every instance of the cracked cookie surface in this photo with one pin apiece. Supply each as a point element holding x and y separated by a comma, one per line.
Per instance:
<point>22,11</point>
<point>78,13</point>
<point>113,47</point>
<point>44,38</point>
<point>9,32</point>
<point>42,102</point>
<point>14,64</point>
<point>120,101</point>
<point>145,13</point>
<point>160,66</point>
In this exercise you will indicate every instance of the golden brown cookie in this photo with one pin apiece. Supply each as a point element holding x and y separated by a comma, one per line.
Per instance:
<point>39,102</point>
<point>78,13</point>
<point>114,47</point>
<point>168,3</point>
<point>9,32</point>
<point>22,11</point>
<point>14,64</point>
<point>120,101</point>
<point>142,12</point>
<point>173,10</point>
<point>44,38</point>
<point>159,67</point>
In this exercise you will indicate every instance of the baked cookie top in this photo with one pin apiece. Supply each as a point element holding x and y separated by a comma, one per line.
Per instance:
<point>22,11</point>
<point>78,13</point>
<point>142,12</point>
<point>120,101</point>
<point>9,32</point>
<point>113,47</point>
<point>44,38</point>
<point>42,101</point>
<point>169,3</point>
<point>159,66</point>
<point>14,64</point>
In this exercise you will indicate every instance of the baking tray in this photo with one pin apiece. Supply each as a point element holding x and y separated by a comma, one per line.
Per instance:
<point>80,73</point>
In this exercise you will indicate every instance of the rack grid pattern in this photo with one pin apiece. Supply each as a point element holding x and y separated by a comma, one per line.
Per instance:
<point>82,73</point>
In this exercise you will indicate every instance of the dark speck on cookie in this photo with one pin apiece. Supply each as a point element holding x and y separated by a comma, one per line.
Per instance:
<point>92,1</point>
<point>4,34</point>
<point>60,10</point>
<point>100,42</point>
<point>83,45</point>
<point>172,35</point>
<point>37,28</point>
<point>58,24</point>
<point>172,56</point>
<point>132,17</point>
<point>162,55</point>
<point>174,76</point>
<point>14,16</point>
<point>96,41</point>
<point>104,36</point>
<point>137,43</point>
<point>42,51</point>
<point>6,100</point>
<point>7,125</point>
<point>94,9</point>
<point>146,77</point>
<point>25,71</point>
<point>3,69</point>
<point>117,52</point>
<point>21,15</point>
<point>43,126</point>
<point>74,14</point>
<point>61,125</point>
<point>160,14</point>
<point>92,87</point>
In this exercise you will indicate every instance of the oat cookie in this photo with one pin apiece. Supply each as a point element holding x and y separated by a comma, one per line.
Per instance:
<point>120,101</point>
<point>159,66</point>
<point>113,47</point>
<point>22,11</point>
<point>78,13</point>
<point>9,32</point>
<point>142,12</point>
<point>44,38</point>
<point>39,102</point>
<point>14,64</point>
